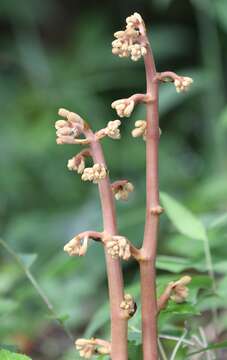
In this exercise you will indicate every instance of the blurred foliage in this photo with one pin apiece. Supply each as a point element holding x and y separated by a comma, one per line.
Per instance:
<point>57,53</point>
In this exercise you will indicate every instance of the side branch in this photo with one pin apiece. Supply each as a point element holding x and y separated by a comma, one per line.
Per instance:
<point>70,129</point>
<point>167,76</point>
<point>79,244</point>
<point>182,83</point>
<point>176,291</point>
<point>124,107</point>
<point>121,189</point>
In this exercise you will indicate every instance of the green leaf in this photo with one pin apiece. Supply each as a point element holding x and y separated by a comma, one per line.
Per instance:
<point>218,221</point>
<point>99,319</point>
<point>61,317</point>
<point>183,219</point>
<point>8,347</point>
<point>181,309</point>
<point>221,12</point>
<point>134,351</point>
<point>223,118</point>
<point>7,355</point>
<point>221,345</point>
<point>27,259</point>
<point>173,264</point>
<point>203,6</point>
<point>7,306</point>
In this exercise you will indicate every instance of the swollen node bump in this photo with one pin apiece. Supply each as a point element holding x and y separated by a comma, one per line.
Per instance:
<point>157,210</point>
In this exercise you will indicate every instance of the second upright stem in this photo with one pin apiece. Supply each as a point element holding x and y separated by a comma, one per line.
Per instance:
<point>147,264</point>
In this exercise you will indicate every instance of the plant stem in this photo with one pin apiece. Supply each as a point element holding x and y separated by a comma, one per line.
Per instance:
<point>114,273</point>
<point>147,265</point>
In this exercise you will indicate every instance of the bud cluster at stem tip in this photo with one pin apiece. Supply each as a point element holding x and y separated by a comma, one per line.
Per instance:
<point>123,107</point>
<point>70,129</point>
<point>77,246</point>
<point>182,83</point>
<point>76,164</point>
<point>180,290</point>
<point>122,192</point>
<point>112,129</point>
<point>130,42</point>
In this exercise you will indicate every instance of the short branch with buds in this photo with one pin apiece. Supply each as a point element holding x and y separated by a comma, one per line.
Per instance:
<point>176,291</point>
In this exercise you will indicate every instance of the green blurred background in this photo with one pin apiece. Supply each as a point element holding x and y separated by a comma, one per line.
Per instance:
<point>58,54</point>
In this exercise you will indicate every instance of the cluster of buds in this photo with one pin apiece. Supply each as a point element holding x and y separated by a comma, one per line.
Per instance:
<point>77,163</point>
<point>95,173</point>
<point>134,21</point>
<point>77,246</point>
<point>129,42</point>
<point>89,347</point>
<point>182,83</point>
<point>122,189</point>
<point>180,290</point>
<point>70,129</point>
<point>123,107</point>
<point>118,247</point>
<point>129,305</point>
<point>112,129</point>
<point>140,129</point>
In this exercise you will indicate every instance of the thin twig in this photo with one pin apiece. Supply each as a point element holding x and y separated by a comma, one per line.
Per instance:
<point>205,343</point>
<point>211,273</point>
<point>161,350</point>
<point>176,348</point>
<point>176,338</point>
<point>37,287</point>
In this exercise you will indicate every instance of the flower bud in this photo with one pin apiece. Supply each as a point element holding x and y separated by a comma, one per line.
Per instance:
<point>118,247</point>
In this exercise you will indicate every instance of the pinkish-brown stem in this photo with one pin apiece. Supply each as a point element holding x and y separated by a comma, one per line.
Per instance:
<point>147,264</point>
<point>118,184</point>
<point>140,98</point>
<point>164,297</point>
<point>167,76</point>
<point>114,273</point>
<point>95,235</point>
